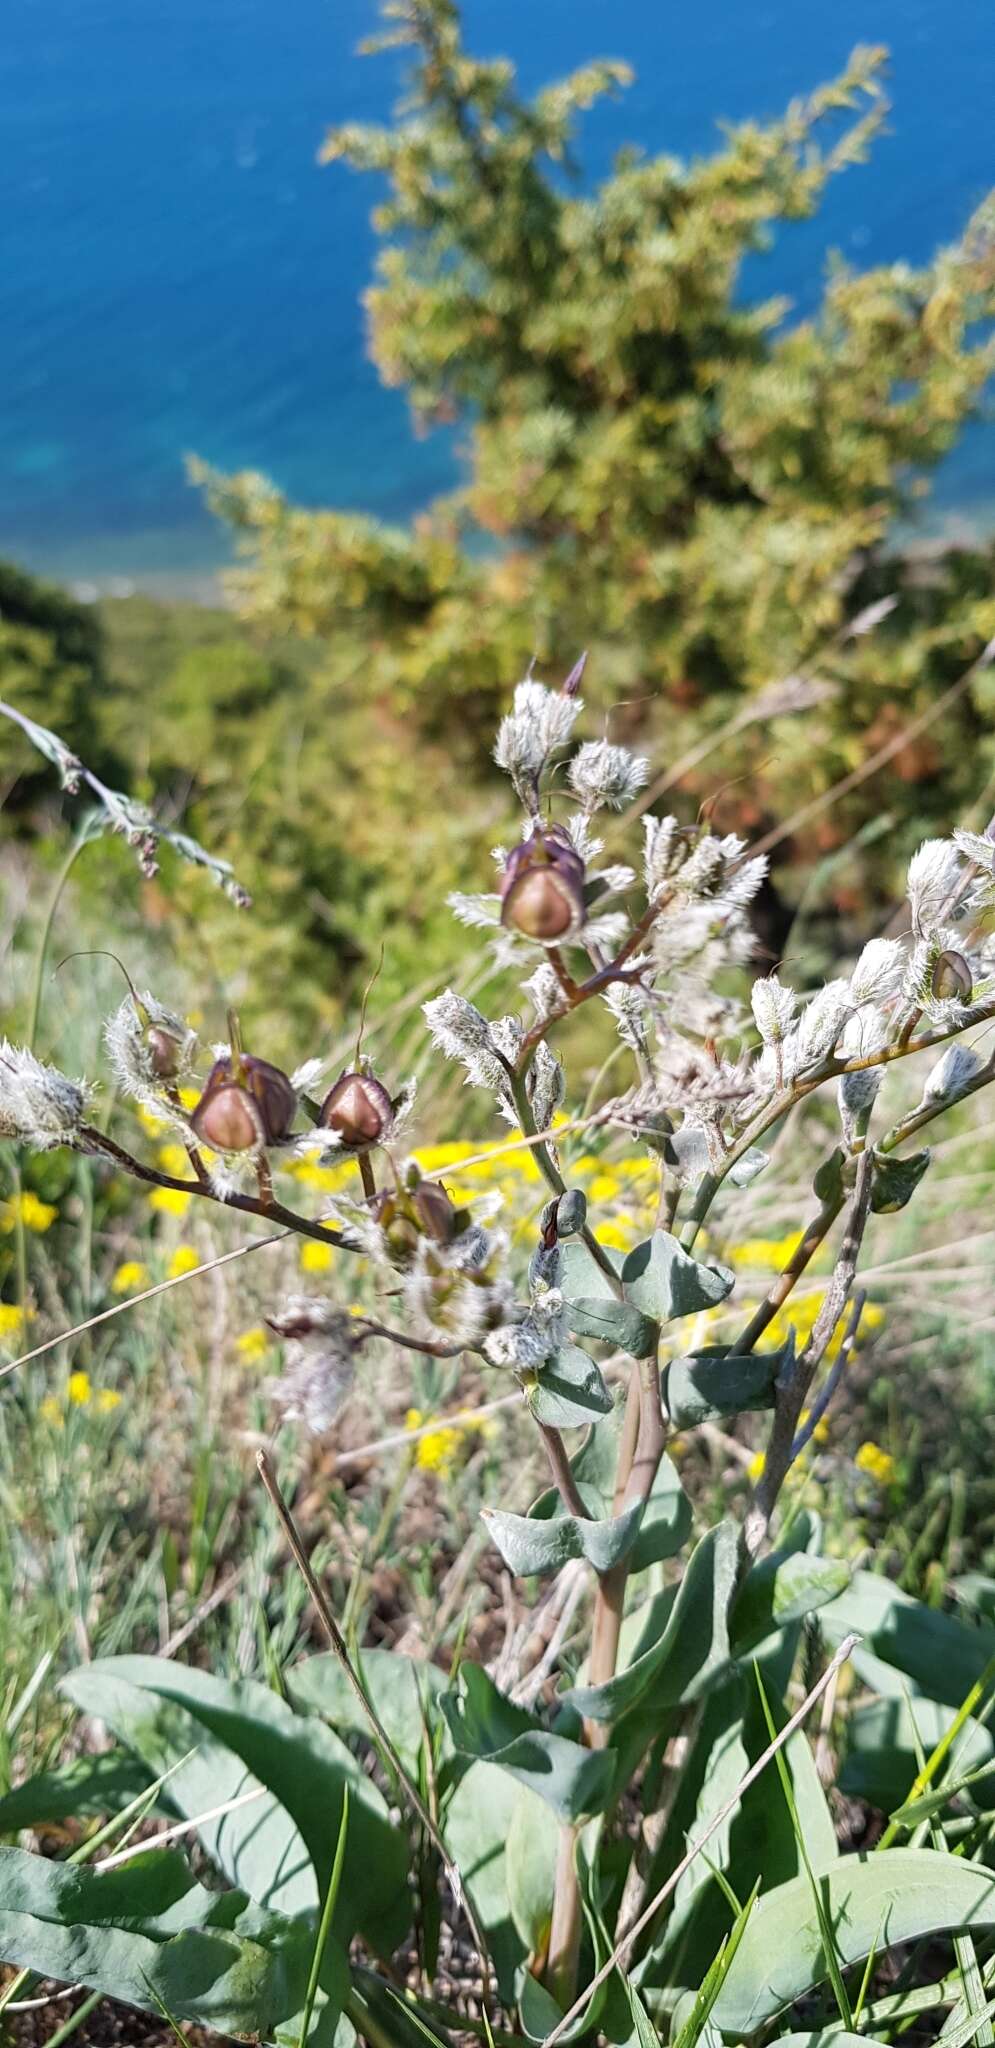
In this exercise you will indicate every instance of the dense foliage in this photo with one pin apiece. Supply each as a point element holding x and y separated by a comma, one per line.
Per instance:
<point>700,489</point>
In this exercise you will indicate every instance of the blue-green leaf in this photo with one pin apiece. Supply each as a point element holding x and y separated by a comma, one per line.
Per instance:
<point>693,1645</point>
<point>870,1902</point>
<point>404,1691</point>
<point>943,1657</point>
<point>706,1385</point>
<point>663,1280</point>
<point>483,1724</point>
<point>146,1931</point>
<point>782,1589</point>
<point>531,1545</point>
<point>594,1309</point>
<point>896,1180</point>
<point>89,1786</point>
<point>666,1519</point>
<point>569,1392</point>
<point>279,1848</point>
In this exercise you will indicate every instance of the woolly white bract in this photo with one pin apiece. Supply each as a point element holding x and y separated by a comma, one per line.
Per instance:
<point>601,774</point>
<point>39,1106</point>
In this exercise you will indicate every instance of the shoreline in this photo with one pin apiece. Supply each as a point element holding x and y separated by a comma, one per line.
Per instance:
<point>201,582</point>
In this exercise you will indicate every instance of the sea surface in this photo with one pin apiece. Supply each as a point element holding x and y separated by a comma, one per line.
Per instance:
<point>177,273</point>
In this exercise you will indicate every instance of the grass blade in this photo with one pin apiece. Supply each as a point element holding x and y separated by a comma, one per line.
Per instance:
<point>325,1923</point>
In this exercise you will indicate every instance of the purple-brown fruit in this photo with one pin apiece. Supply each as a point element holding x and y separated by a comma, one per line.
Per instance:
<point>542,888</point>
<point>359,1110</point>
<point>246,1102</point>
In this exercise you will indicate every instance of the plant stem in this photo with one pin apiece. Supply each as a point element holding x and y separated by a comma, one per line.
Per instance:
<point>552,1176</point>
<point>640,1451</point>
<point>249,1205</point>
<point>567,1921</point>
<point>777,1294</point>
<point>338,1643</point>
<point>563,1478</point>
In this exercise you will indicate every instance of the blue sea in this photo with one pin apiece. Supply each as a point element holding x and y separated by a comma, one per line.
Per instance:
<point>178,273</point>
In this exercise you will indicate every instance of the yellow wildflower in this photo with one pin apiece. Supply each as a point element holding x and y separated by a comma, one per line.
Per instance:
<point>765,1253</point>
<point>253,1344</point>
<point>107,1399</point>
<point>325,1180</point>
<point>50,1410</point>
<point>604,1187</point>
<point>33,1212</point>
<point>620,1234</point>
<point>80,1389</point>
<point>174,1159</point>
<point>436,1451</point>
<point>130,1277</point>
<point>11,1319</point>
<point>754,1470</point>
<point>170,1201</point>
<point>878,1464</point>
<point>315,1257</point>
<point>184,1260</point>
<point>189,1098</point>
<point>152,1125</point>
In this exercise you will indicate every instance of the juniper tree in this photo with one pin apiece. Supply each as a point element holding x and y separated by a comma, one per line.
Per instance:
<point>699,488</point>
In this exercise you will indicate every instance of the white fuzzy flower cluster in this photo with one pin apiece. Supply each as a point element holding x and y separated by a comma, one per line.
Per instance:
<point>525,1343</point>
<point>318,1362</point>
<point>544,991</point>
<point>879,972</point>
<point>952,1075</point>
<point>602,775</point>
<point>773,1008</point>
<point>538,726</point>
<point>459,1291</point>
<point>934,873</point>
<point>460,1031</point>
<point>545,1086</point>
<point>39,1106</point>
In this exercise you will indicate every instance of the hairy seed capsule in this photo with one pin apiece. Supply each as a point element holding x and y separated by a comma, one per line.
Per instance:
<point>246,1102</point>
<point>227,1120</point>
<point>164,1052</point>
<point>359,1110</point>
<point>436,1214</point>
<point>542,888</point>
<point>952,977</point>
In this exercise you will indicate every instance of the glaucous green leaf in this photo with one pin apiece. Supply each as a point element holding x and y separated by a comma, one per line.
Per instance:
<point>574,1781</point>
<point>593,1309</point>
<point>880,1763</point>
<point>278,1848</point>
<point>476,1825</point>
<point>942,1655</point>
<point>896,1180</point>
<point>530,1864</point>
<point>404,1691</point>
<point>148,1930</point>
<point>613,1322</point>
<point>828,1183</point>
<point>663,1280</point>
<point>533,1545</point>
<point>694,1642</point>
<point>666,1519</point>
<point>705,1386</point>
<point>569,1392</point>
<point>871,1901</point>
<point>88,1787</point>
<point>782,1589</point>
